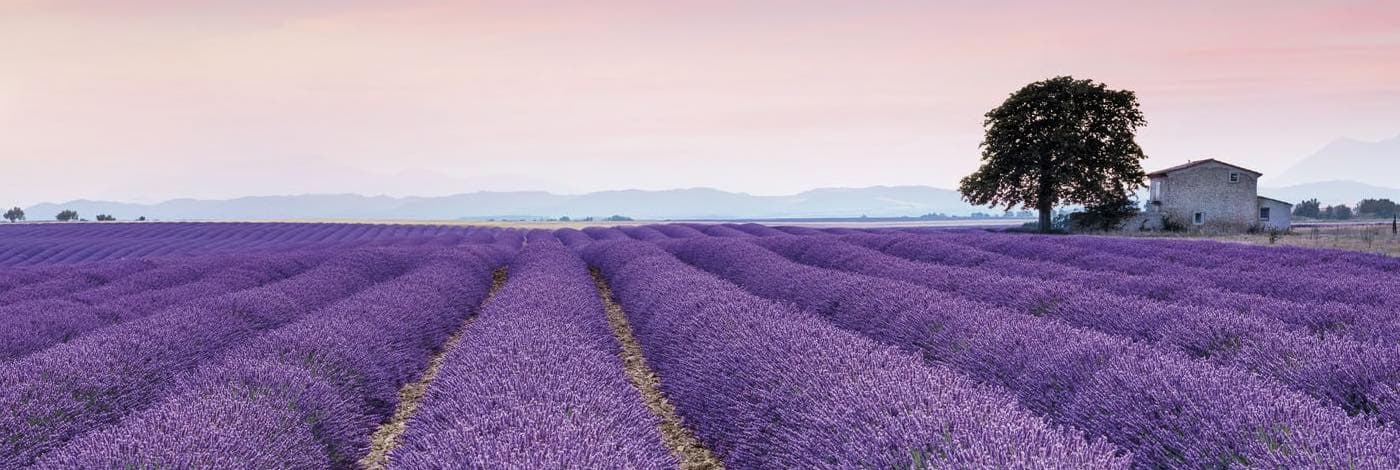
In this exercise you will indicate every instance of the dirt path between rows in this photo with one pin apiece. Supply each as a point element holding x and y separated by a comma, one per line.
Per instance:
<point>387,436</point>
<point>685,447</point>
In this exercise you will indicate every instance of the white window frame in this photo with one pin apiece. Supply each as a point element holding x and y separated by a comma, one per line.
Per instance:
<point>1264,213</point>
<point>1198,218</point>
<point>1234,177</point>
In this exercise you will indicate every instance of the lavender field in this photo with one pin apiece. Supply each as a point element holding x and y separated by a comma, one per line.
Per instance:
<point>284,345</point>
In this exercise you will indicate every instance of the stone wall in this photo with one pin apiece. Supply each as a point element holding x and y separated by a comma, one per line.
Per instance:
<point>1207,188</point>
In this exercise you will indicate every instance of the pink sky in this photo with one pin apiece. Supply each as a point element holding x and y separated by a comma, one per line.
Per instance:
<point>148,100</point>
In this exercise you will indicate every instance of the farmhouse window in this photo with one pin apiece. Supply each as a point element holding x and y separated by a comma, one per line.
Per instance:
<point>1234,177</point>
<point>1264,213</point>
<point>1199,219</point>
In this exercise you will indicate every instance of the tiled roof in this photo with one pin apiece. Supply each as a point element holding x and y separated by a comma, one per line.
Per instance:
<point>1199,162</point>
<point>1275,200</point>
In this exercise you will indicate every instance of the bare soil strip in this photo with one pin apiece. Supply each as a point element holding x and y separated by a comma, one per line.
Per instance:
<point>387,436</point>
<point>685,447</point>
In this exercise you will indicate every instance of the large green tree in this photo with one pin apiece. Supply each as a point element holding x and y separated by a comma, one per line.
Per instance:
<point>1059,141</point>
<point>1377,207</point>
<point>67,215</point>
<point>14,214</point>
<point>1309,208</point>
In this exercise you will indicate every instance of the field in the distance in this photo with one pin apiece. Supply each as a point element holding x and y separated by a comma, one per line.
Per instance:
<point>322,345</point>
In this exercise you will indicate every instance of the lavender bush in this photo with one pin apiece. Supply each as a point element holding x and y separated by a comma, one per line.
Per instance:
<point>536,381</point>
<point>1166,409</point>
<point>330,377</point>
<point>765,386</point>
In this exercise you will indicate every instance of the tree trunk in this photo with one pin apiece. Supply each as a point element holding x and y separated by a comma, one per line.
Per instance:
<point>1044,219</point>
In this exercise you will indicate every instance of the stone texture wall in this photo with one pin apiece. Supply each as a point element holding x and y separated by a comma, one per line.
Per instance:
<point>1207,188</point>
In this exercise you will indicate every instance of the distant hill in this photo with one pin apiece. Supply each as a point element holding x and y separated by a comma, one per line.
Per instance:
<point>696,203</point>
<point>1331,192</point>
<point>1372,163</point>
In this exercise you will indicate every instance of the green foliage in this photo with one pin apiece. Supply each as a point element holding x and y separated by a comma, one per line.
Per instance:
<point>1059,141</point>
<point>564,219</point>
<point>1339,212</point>
<point>67,215</point>
<point>105,218</point>
<point>1104,217</point>
<point>1309,208</point>
<point>618,218</point>
<point>1377,207</point>
<point>1059,223</point>
<point>141,219</point>
<point>1170,224</point>
<point>14,214</point>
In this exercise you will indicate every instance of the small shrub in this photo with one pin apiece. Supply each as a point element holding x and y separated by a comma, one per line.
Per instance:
<point>1103,217</point>
<point>1170,224</point>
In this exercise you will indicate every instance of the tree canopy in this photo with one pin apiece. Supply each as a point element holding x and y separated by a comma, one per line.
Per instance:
<point>1309,208</point>
<point>1339,211</point>
<point>1377,207</point>
<point>1059,141</point>
<point>14,214</point>
<point>67,215</point>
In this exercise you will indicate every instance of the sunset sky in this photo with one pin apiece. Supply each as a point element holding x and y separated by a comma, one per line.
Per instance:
<point>146,100</point>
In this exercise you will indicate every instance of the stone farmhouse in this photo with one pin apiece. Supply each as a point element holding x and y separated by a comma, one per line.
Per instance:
<point>1212,195</point>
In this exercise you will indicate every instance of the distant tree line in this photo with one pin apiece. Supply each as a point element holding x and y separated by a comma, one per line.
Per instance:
<point>1367,208</point>
<point>16,214</point>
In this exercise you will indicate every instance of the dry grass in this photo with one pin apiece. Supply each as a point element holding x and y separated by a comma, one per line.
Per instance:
<point>685,447</point>
<point>1365,238</point>
<point>1368,238</point>
<point>387,436</point>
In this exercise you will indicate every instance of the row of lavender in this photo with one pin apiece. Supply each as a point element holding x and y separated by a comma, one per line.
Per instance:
<point>1271,339</point>
<point>1360,377</point>
<point>1321,318</point>
<point>1107,385</point>
<point>767,386</point>
<point>536,381</point>
<point>1250,271</point>
<point>1181,394</point>
<point>265,377</point>
<point>247,231</point>
<point>1362,306</point>
<point>47,244</point>
<point>309,389</point>
<point>830,350</point>
<point>105,362</point>
<point>43,307</point>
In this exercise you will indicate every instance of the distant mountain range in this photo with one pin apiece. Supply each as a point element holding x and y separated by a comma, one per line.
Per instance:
<point>697,203</point>
<point>1343,172</point>
<point>1370,163</point>
<point>1331,192</point>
